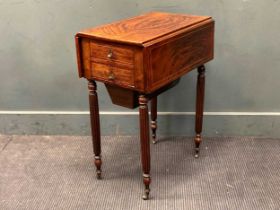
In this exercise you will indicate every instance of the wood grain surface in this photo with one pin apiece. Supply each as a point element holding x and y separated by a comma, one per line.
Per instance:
<point>142,57</point>
<point>170,45</point>
<point>143,28</point>
<point>95,125</point>
<point>172,58</point>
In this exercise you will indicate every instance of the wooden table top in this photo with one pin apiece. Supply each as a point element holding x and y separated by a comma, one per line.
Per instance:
<point>139,58</point>
<point>143,28</point>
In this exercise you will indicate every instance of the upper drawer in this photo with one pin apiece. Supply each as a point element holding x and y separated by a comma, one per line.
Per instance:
<point>111,53</point>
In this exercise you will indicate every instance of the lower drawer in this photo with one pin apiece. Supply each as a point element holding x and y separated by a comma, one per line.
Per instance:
<point>112,74</point>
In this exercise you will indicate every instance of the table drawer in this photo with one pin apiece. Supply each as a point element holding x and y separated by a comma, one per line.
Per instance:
<point>112,74</point>
<point>111,53</point>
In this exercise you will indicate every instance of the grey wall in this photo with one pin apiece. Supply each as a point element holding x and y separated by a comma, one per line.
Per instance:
<point>38,67</point>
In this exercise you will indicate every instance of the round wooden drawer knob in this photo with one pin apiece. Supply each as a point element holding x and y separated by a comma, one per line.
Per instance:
<point>111,76</point>
<point>110,54</point>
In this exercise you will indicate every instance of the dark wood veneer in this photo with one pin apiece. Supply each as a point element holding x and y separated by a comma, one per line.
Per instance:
<point>95,126</point>
<point>138,59</point>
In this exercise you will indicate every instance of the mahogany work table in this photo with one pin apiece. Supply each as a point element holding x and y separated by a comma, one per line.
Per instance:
<point>139,58</point>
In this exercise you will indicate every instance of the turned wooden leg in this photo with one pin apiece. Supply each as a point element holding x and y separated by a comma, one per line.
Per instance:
<point>154,118</point>
<point>199,107</point>
<point>95,126</point>
<point>145,143</point>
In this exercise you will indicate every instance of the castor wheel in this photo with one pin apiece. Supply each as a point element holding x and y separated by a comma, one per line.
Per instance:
<point>146,194</point>
<point>98,174</point>
<point>196,155</point>
<point>197,141</point>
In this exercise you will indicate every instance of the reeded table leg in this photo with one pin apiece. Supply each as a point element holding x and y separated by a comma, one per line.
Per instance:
<point>95,126</point>
<point>145,143</point>
<point>154,118</point>
<point>199,107</point>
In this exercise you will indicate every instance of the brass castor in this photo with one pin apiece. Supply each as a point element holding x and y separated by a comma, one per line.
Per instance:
<point>154,138</point>
<point>98,162</point>
<point>147,181</point>
<point>98,174</point>
<point>196,155</point>
<point>197,141</point>
<point>146,194</point>
<point>154,128</point>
